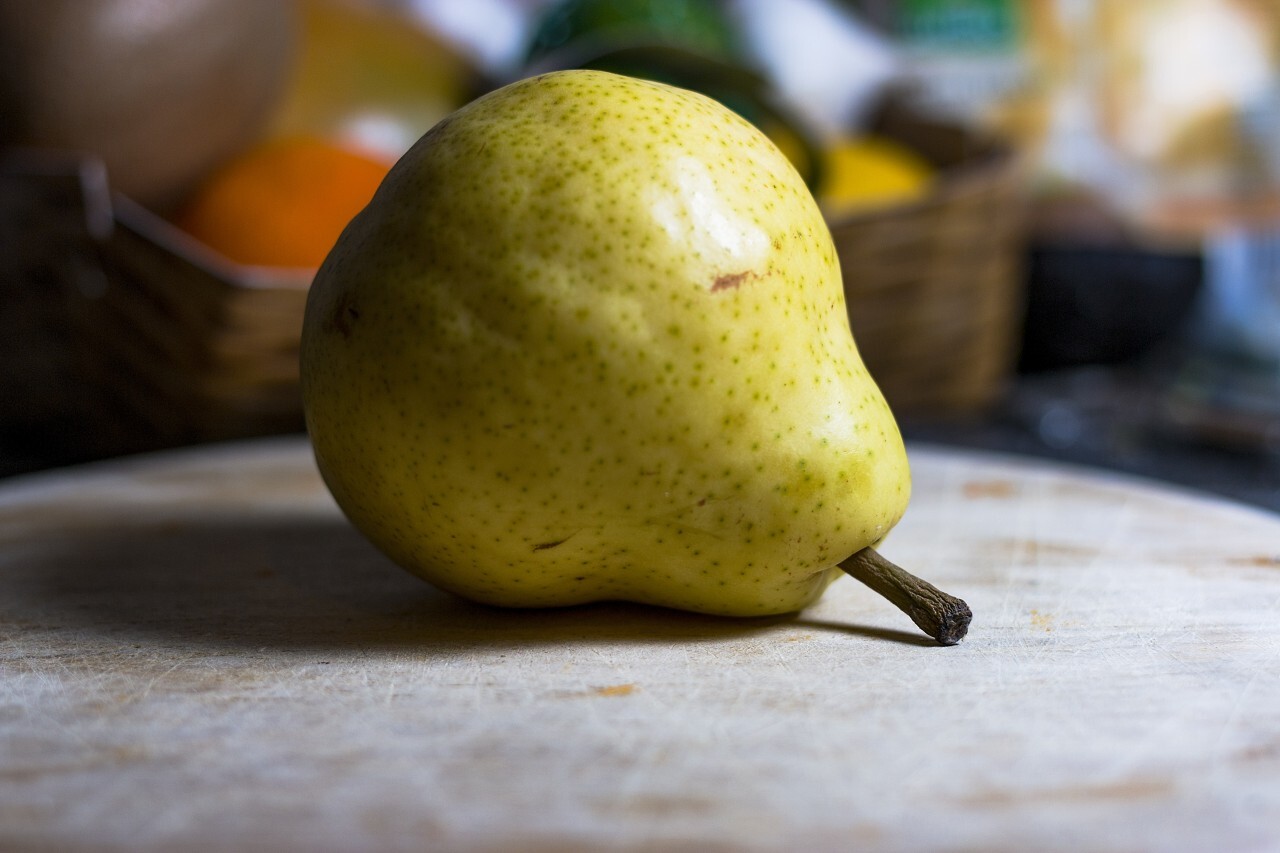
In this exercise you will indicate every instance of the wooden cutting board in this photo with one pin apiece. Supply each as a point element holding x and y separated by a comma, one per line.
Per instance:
<point>197,652</point>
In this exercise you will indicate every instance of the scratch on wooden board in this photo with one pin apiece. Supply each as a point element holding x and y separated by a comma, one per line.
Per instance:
<point>1262,752</point>
<point>989,489</point>
<point>1042,621</point>
<point>1037,550</point>
<point>1130,789</point>
<point>151,683</point>
<point>1264,561</point>
<point>1237,706</point>
<point>615,690</point>
<point>609,690</point>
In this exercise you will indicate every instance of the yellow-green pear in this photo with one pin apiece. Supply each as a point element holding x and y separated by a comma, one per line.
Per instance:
<point>588,342</point>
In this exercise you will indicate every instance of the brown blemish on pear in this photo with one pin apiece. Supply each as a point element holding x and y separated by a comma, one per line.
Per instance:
<point>732,281</point>
<point>545,546</point>
<point>729,281</point>
<point>344,315</point>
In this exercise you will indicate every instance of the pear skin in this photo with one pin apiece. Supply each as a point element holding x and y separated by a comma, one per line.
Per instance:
<point>589,342</point>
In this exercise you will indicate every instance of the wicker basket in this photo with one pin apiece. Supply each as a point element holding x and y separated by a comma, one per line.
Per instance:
<point>162,342</point>
<point>199,348</point>
<point>934,286</point>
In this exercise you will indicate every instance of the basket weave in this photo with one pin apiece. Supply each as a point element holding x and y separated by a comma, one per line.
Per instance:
<point>933,286</point>
<point>159,341</point>
<point>197,349</point>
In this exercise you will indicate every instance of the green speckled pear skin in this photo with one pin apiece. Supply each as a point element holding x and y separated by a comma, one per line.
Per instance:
<point>589,342</point>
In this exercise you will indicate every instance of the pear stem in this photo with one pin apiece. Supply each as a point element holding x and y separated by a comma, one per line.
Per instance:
<point>943,617</point>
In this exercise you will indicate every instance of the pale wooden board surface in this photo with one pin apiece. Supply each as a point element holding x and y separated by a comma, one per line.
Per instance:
<point>196,652</point>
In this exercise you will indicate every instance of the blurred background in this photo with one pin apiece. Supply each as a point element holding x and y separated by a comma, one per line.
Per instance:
<point>1058,220</point>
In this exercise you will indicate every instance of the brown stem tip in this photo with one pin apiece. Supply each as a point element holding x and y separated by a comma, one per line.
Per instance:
<point>941,616</point>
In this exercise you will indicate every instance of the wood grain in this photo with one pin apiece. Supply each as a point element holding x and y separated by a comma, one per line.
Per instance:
<point>197,652</point>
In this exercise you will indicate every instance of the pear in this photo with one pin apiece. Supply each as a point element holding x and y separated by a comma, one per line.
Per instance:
<point>589,342</point>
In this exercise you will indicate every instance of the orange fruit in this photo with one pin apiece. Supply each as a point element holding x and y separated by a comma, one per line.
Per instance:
<point>283,202</point>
